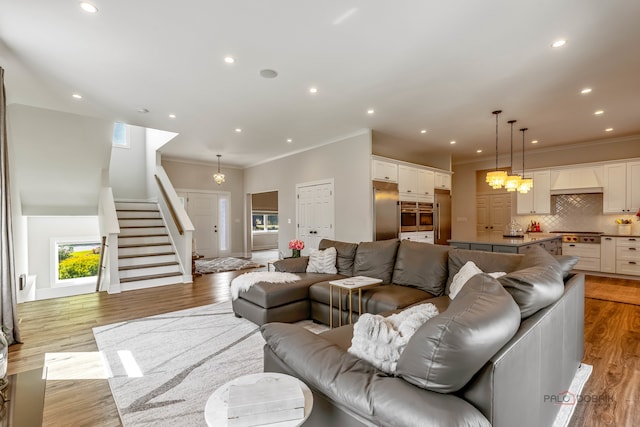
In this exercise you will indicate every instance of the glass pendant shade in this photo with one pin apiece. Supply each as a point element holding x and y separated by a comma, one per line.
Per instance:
<point>526,184</point>
<point>512,183</point>
<point>218,177</point>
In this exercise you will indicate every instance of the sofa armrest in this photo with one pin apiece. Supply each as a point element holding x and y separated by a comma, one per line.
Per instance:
<point>292,265</point>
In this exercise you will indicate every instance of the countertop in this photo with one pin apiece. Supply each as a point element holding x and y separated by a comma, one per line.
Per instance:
<point>507,241</point>
<point>621,235</point>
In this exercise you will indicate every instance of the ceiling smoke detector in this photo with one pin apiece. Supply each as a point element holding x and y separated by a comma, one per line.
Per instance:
<point>142,110</point>
<point>269,74</point>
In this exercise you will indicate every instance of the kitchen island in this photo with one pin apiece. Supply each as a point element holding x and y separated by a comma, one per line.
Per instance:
<point>551,242</point>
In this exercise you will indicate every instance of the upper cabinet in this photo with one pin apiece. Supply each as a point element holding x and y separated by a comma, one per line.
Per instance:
<point>407,180</point>
<point>621,187</point>
<point>425,182</point>
<point>538,199</point>
<point>442,181</point>
<point>385,171</point>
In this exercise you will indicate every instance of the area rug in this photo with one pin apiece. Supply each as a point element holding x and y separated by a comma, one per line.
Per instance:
<point>217,265</point>
<point>165,367</point>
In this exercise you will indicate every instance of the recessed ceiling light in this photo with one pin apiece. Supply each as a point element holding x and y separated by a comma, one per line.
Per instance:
<point>423,131</point>
<point>608,130</point>
<point>452,142</point>
<point>558,43</point>
<point>478,151</point>
<point>172,116</point>
<point>597,113</point>
<point>229,59</point>
<point>586,90</point>
<point>313,90</point>
<point>77,96</point>
<point>370,111</point>
<point>289,140</point>
<point>535,141</point>
<point>88,7</point>
<point>238,130</point>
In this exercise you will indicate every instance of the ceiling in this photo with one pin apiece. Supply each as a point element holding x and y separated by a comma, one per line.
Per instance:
<point>420,65</point>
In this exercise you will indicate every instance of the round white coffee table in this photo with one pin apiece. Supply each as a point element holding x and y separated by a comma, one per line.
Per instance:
<point>215,411</point>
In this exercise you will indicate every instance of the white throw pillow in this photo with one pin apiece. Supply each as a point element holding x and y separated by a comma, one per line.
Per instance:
<point>322,261</point>
<point>467,271</point>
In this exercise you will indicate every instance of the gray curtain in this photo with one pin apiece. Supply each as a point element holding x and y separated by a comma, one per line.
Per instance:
<point>8,310</point>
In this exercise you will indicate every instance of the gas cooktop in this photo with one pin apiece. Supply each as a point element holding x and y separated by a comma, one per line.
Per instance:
<point>580,236</point>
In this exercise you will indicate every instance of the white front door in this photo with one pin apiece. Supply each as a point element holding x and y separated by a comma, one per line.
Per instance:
<point>203,211</point>
<point>315,213</point>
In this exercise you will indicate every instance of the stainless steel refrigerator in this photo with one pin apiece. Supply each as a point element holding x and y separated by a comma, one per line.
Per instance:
<point>442,217</point>
<point>386,224</point>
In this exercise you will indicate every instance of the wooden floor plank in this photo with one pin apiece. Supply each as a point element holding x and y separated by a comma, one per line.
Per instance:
<point>612,337</point>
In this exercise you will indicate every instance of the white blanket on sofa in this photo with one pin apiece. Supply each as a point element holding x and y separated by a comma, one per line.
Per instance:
<point>245,281</point>
<point>381,340</point>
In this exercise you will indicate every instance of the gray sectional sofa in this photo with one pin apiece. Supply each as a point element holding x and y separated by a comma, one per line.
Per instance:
<point>490,357</point>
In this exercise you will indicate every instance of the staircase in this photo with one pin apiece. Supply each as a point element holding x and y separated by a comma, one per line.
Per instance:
<point>146,256</point>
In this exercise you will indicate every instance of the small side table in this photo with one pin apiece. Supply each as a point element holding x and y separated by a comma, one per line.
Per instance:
<point>215,411</point>
<point>270,263</point>
<point>194,257</point>
<point>350,284</point>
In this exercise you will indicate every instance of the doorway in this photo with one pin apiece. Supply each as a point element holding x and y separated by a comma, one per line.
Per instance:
<point>315,213</point>
<point>209,213</point>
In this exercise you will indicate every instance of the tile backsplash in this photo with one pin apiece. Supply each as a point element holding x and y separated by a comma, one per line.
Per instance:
<point>575,212</point>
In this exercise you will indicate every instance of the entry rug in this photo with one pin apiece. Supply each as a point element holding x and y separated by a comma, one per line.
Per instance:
<point>165,367</point>
<point>217,265</point>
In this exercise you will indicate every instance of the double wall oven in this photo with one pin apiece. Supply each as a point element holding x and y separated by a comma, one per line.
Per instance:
<point>416,216</point>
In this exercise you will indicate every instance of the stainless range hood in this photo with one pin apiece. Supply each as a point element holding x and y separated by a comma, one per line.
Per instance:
<point>577,180</point>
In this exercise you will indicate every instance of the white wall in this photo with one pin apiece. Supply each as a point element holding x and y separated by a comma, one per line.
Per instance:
<point>347,161</point>
<point>128,168</point>
<point>58,159</point>
<point>464,177</point>
<point>41,229</point>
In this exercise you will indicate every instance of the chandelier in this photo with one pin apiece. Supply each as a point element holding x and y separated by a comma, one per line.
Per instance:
<point>526,184</point>
<point>218,177</point>
<point>496,178</point>
<point>512,182</point>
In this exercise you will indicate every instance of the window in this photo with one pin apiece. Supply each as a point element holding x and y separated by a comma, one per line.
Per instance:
<point>264,222</point>
<point>76,261</point>
<point>120,135</point>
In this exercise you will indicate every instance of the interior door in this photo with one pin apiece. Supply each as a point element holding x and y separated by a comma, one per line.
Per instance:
<point>493,213</point>
<point>203,211</point>
<point>315,213</point>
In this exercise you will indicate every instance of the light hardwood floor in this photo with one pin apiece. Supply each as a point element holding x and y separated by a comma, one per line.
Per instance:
<point>612,346</point>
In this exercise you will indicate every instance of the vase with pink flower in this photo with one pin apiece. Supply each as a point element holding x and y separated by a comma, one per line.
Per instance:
<point>296,246</point>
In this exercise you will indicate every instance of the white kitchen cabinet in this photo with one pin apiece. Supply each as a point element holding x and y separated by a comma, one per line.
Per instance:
<point>442,181</point>
<point>628,255</point>
<point>589,254</point>
<point>407,180</point>
<point>425,182</point>
<point>538,199</point>
<point>385,171</point>
<point>621,188</point>
<point>608,255</point>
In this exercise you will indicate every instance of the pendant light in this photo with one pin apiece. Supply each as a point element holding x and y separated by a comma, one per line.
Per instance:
<point>497,177</point>
<point>526,184</point>
<point>512,182</point>
<point>219,176</point>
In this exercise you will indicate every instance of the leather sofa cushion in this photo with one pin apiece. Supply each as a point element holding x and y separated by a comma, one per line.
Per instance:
<point>447,351</point>
<point>350,382</point>
<point>537,283</point>
<point>489,262</point>
<point>376,259</point>
<point>346,254</point>
<point>374,300</point>
<point>566,263</point>
<point>269,295</point>
<point>292,265</point>
<point>422,265</point>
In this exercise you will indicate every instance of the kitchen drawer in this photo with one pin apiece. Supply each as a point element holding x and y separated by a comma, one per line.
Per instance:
<point>628,267</point>
<point>480,247</point>
<point>628,254</point>
<point>505,249</point>
<point>628,242</point>
<point>589,264</point>
<point>459,245</point>
<point>583,250</point>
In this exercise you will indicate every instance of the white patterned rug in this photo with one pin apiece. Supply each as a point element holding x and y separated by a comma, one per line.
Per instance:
<point>217,265</point>
<point>165,367</point>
